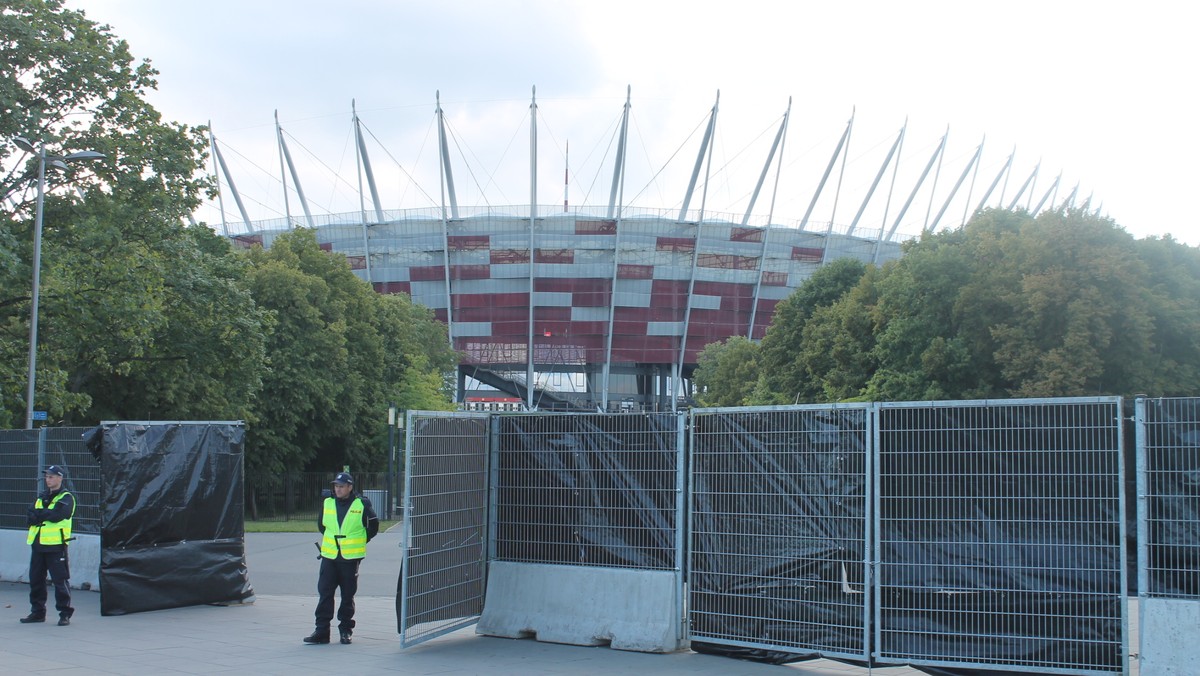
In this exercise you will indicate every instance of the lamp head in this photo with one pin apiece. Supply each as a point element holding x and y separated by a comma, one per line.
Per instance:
<point>84,155</point>
<point>24,144</point>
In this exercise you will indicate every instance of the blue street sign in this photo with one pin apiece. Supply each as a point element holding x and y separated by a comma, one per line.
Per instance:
<point>39,415</point>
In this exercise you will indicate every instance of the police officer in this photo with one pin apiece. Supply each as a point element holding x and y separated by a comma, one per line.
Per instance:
<point>49,533</point>
<point>347,523</point>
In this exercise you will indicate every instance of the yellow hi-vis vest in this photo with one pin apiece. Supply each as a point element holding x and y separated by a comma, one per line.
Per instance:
<point>352,542</point>
<point>52,532</point>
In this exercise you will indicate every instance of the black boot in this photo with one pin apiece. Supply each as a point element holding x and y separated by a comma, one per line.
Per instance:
<point>345,636</point>
<point>31,618</point>
<point>318,636</point>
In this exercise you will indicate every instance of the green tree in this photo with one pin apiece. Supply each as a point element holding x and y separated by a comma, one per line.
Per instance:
<point>1174,283</point>
<point>1067,304</point>
<point>126,288</point>
<point>783,379</point>
<point>727,372</point>
<point>207,355</point>
<point>835,351</point>
<point>936,311</point>
<point>339,354</point>
<point>1079,319</point>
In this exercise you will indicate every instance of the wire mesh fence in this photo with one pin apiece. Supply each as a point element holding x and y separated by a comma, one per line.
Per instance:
<point>24,455</point>
<point>1000,531</point>
<point>446,491</point>
<point>588,489</point>
<point>1169,488</point>
<point>779,530</point>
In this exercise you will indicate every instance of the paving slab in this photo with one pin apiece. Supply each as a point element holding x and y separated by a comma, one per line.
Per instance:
<point>264,637</point>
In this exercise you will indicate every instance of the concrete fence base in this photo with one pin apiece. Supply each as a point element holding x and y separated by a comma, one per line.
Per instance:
<point>84,556</point>
<point>637,610</point>
<point>1168,632</point>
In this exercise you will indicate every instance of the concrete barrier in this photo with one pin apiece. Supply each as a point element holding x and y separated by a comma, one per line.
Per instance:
<point>1168,633</point>
<point>639,610</point>
<point>84,559</point>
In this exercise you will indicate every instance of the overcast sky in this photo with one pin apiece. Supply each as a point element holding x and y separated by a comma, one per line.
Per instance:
<point>1101,92</point>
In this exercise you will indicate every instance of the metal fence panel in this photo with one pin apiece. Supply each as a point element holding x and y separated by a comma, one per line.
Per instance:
<point>24,454</point>
<point>779,516</point>
<point>1000,535</point>
<point>444,569</point>
<point>1169,488</point>
<point>589,489</point>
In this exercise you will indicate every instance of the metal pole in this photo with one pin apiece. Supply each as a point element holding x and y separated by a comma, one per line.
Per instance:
<point>37,269</point>
<point>529,371</point>
<point>391,471</point>
<point>61,162</point>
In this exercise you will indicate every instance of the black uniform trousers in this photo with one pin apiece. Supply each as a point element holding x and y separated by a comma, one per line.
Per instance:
<point>54,562</point>
<point>337,574</point>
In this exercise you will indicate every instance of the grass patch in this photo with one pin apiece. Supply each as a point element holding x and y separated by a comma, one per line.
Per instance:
<point>297,526</point>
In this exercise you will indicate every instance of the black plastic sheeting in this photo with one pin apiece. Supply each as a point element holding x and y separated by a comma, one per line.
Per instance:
<point>792,567</point>
<point>171,531</point>
<point>1088,590</point>
<point>605,489</point>
<point>1173,490</point>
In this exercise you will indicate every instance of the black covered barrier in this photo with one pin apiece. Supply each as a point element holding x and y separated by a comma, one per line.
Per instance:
<point>171,525</point>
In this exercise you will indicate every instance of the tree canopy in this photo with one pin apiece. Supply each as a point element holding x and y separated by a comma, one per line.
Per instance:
<point>1064,304</point>
<point>115,253</point>
<point>144,316</point>
<point>339,354</point>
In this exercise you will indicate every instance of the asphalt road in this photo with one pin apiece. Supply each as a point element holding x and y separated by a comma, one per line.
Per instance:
<point>285,564</point>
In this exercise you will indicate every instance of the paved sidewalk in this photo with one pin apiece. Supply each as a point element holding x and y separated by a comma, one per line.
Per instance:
<point>264,638</point>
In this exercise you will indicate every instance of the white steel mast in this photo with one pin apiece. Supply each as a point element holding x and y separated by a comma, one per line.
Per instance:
<point>532,220</point>
<point>287,157</point>
<point>780,138</point>
<point>614,202</point>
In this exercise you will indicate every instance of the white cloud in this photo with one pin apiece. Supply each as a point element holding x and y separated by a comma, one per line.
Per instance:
<point>1101,91</point>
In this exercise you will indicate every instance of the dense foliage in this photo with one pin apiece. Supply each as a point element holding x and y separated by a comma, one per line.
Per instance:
<point>339,354</point>
<point>146,317</point>
<point>1064,304</point>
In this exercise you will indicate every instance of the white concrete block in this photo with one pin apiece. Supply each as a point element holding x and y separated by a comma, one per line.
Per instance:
<point>637,610</point>
<point>1168,629</point>
<point>84,555</point>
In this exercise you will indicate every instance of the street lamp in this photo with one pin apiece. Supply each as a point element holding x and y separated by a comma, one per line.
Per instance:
<point>59,161</point>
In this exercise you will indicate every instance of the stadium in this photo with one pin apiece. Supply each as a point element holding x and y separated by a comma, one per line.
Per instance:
<point>600,307</point>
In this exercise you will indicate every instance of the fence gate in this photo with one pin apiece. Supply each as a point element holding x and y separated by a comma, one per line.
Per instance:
<point>1000,535</point>
<point>443,574</point>
<point>779,529</point>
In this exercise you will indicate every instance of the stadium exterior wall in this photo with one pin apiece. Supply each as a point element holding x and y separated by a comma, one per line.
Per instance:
<point>617,291</point>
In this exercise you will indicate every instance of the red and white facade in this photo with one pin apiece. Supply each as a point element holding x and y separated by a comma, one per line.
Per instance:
<point>640,294</point>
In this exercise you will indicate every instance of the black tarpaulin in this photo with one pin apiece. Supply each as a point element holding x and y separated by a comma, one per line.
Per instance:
<point>600,488</point>
<point>993,517</point>
<point>1173,497</point>
<point>171,526</point>
<point>779,529</point>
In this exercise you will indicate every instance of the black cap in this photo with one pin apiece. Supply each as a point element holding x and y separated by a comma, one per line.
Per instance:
<point>55,469</point>
<point>343,478</point>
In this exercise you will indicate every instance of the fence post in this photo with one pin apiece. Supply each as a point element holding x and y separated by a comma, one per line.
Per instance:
<point>41,458</point>
<point>391,451</point>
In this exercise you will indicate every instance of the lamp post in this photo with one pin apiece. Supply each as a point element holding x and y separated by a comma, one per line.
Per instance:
<point>59,161</point>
